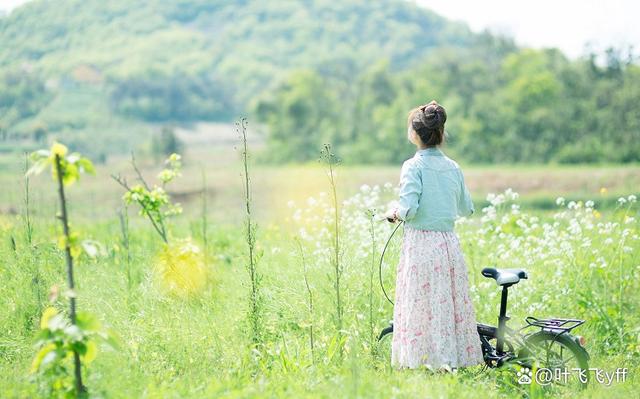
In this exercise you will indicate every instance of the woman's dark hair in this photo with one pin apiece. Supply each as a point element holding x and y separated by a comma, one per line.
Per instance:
<point>428,123</point>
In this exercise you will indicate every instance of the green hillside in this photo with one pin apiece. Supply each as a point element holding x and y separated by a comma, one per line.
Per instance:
<point>104,75</point>
<point>124,39</point>
<point>82,66</point>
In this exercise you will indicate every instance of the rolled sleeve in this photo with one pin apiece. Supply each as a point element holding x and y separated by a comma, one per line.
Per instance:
<point>465,204</point>
<point>410,191</point>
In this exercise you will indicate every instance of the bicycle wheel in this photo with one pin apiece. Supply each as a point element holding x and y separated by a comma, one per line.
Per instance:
<point>559,358</point>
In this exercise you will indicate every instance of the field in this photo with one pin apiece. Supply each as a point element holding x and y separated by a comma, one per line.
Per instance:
<point>582,255</point>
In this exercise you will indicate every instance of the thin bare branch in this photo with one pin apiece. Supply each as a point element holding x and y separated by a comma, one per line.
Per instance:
<point>135,167</point>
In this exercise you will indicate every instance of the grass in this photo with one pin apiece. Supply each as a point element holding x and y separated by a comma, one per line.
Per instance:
<point>199,346</point>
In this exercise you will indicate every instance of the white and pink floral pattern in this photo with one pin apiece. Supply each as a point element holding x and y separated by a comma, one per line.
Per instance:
<point>434,319</point>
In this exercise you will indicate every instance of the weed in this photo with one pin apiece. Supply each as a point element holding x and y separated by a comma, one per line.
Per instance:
<point>331,161</point>
<point>255,300</point>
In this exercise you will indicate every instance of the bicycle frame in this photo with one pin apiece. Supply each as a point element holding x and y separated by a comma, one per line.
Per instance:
<point>516,338</point>
<point>499,355</point>
<point>502,320</point>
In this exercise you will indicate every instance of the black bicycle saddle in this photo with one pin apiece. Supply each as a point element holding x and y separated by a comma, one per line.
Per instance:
<point>504,276</point>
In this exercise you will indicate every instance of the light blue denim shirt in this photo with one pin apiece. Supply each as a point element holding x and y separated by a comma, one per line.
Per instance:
<point>432,191</point>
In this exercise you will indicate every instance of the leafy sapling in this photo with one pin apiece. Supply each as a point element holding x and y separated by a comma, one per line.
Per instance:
<point>154,202</point>
<point>180,264</point>
<point>60,341</point>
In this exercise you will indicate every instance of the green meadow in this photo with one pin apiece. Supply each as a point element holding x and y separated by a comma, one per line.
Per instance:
<point>581,252</point>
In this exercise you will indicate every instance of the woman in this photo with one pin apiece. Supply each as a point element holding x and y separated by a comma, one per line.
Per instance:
<point>434,318</point>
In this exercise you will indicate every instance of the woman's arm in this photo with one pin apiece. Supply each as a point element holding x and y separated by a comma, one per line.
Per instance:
<point>465,204</point>
<point>410,191</point>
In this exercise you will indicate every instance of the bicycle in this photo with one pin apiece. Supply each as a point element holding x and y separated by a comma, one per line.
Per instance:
<point>544,348</point>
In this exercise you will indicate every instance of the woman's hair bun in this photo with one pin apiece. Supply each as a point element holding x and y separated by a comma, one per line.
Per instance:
<point>434,115</point>
<point>428,122</point>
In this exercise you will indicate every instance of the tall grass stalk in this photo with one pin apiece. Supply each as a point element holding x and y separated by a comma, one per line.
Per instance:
<point>372,270</point>
<point>64,219</point>
<point>28,231</point>
<point>255,308</point>
<point>123,216</point>
<point>330,159</point>
<point>204,220</point>
<point>28,226</point>
<point>309,299</point>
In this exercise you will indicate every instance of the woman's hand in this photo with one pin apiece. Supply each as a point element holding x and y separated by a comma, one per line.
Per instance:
<point>392,216</point>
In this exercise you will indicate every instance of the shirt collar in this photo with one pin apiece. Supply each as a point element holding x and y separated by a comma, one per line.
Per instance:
<point>430,151</point>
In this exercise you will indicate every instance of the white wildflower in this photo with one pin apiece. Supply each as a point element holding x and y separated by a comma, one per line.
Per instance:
<point>512,195</point>
<point>498,200</point>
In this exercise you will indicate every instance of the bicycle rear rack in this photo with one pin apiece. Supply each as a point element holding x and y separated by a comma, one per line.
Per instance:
<point>555,325</point>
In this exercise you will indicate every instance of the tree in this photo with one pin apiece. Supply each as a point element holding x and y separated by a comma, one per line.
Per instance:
<point>300,115</point>
<point>166,143</point>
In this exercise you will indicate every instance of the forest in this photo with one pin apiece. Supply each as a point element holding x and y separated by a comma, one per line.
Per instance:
<point>310,72</point>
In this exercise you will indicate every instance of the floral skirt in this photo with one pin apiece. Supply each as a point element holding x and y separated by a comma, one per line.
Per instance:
<point>434,322</point>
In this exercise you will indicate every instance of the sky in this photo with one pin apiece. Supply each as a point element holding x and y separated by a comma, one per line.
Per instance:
<point>566,24</point>
<point>8,5</point>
